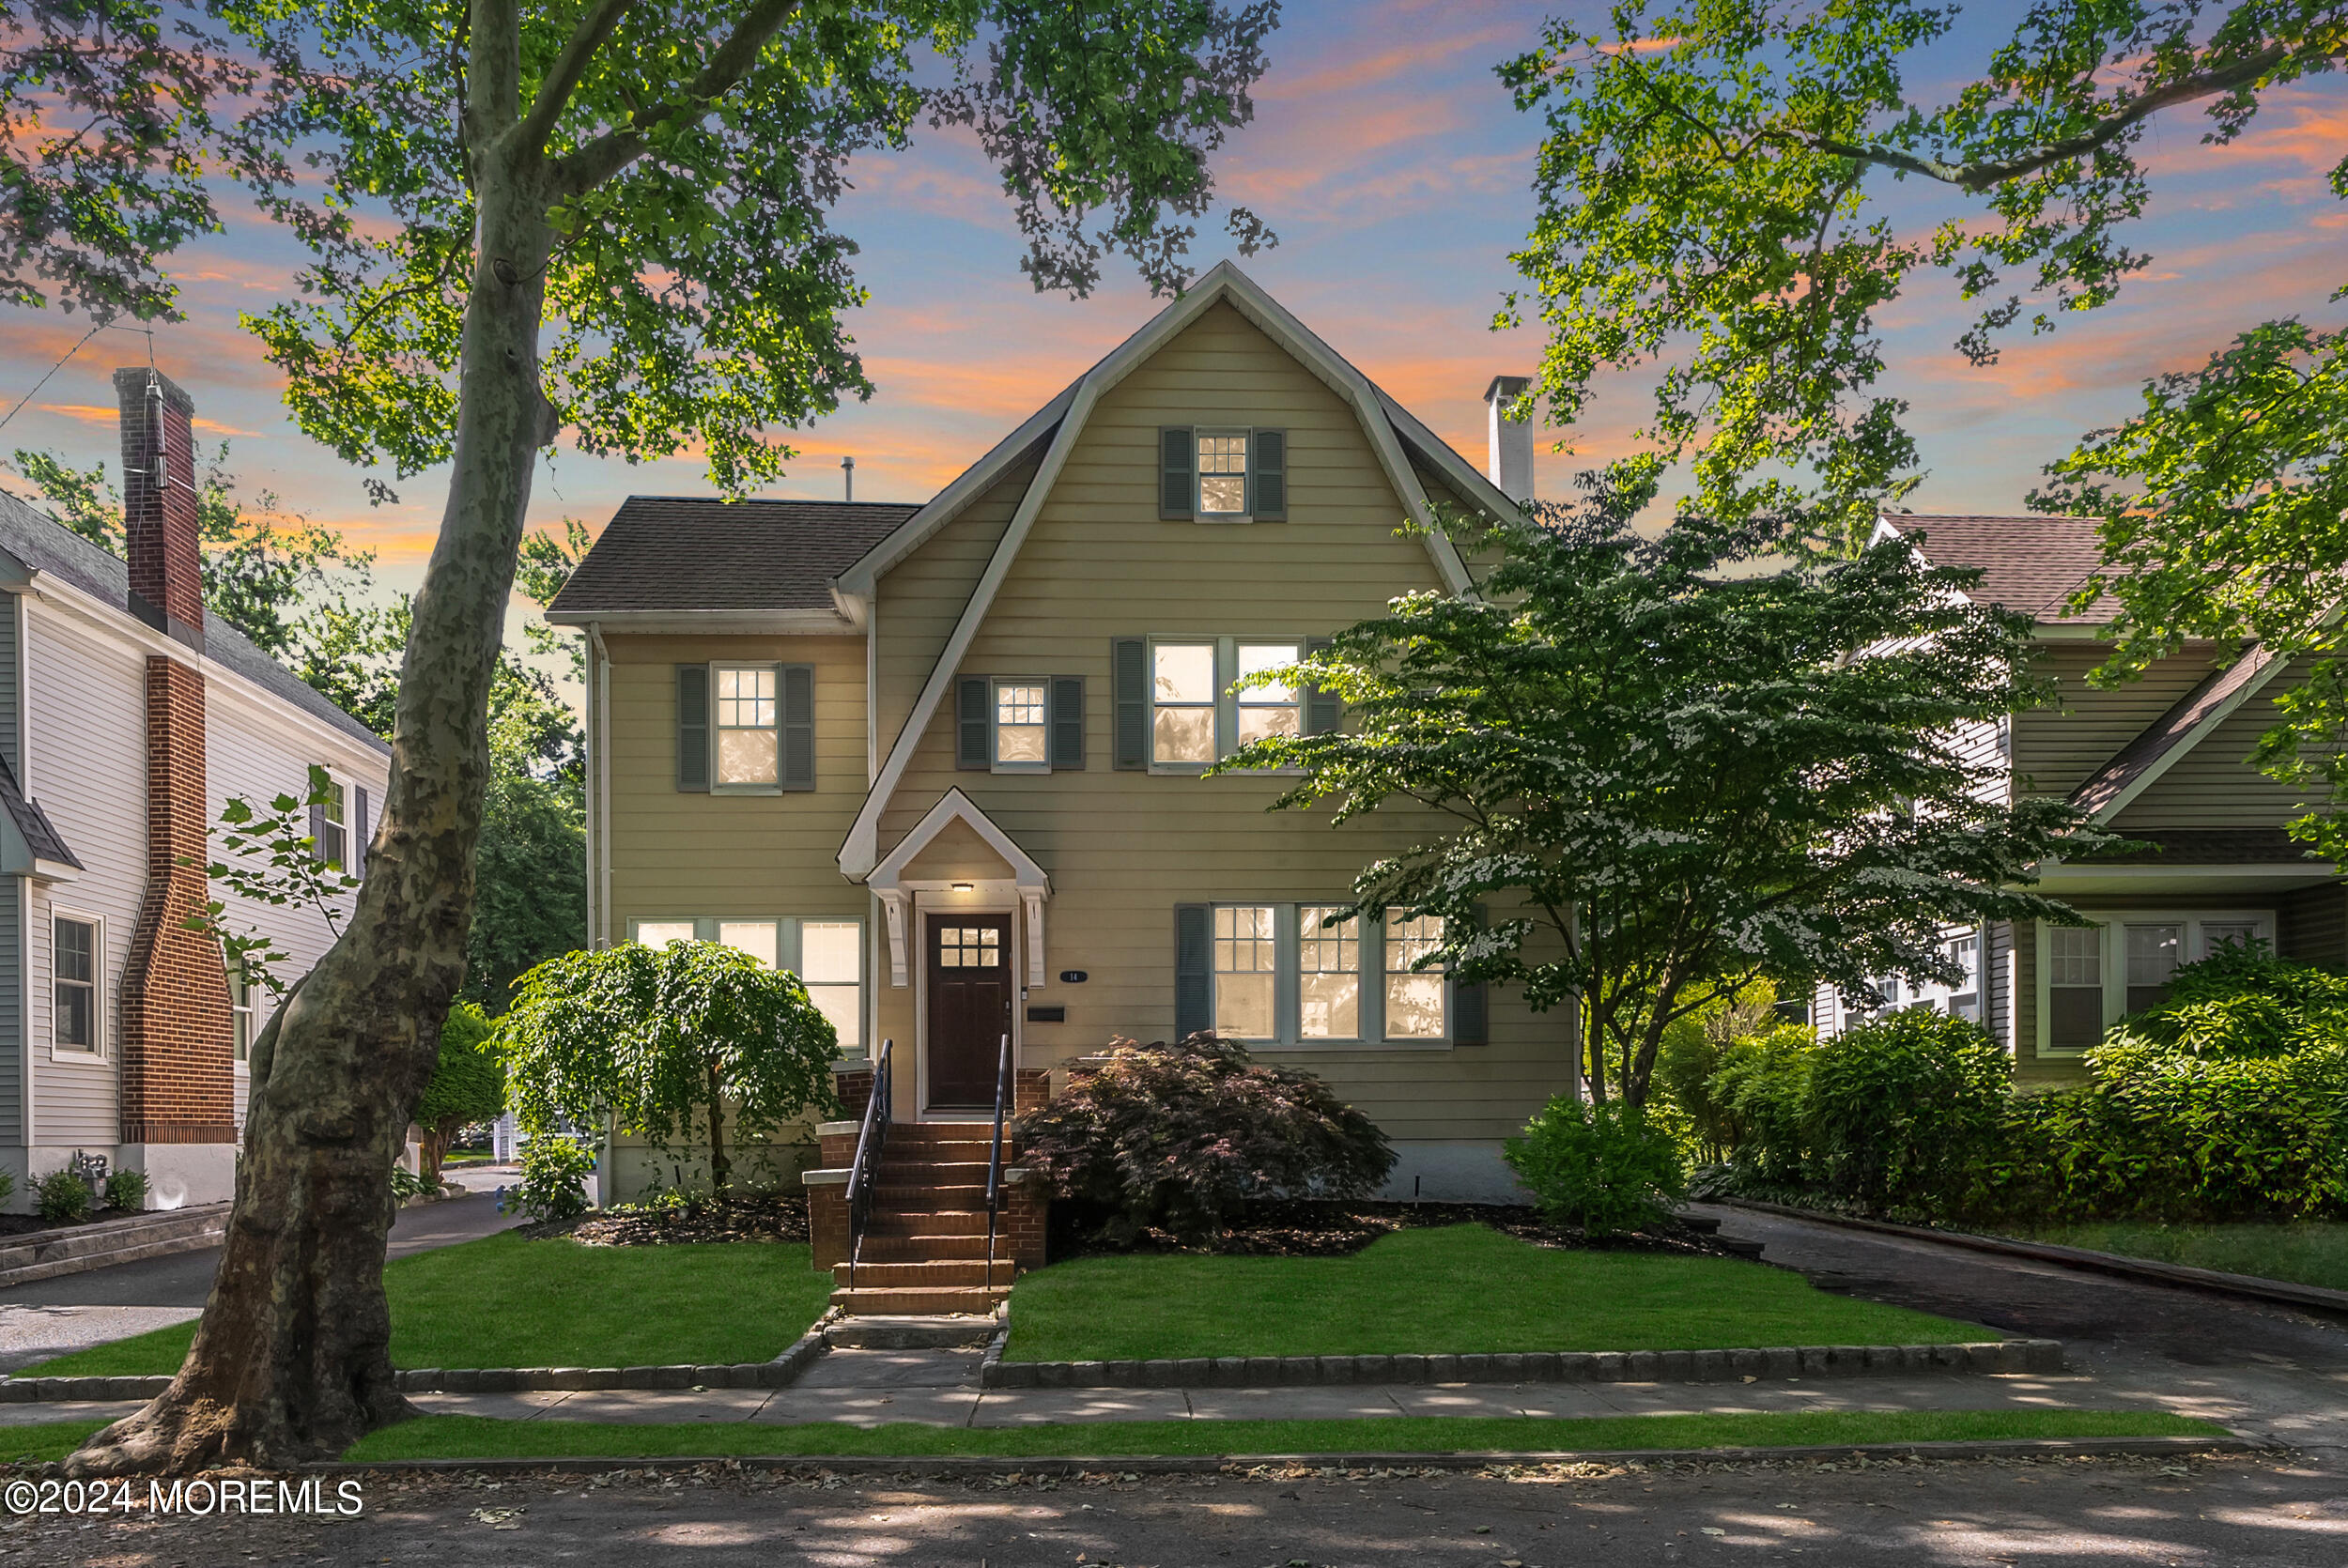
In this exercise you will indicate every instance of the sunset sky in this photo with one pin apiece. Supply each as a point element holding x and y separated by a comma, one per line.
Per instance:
<point>1389,159</point>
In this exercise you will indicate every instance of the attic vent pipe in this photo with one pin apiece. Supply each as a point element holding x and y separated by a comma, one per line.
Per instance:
<point>847,475</point>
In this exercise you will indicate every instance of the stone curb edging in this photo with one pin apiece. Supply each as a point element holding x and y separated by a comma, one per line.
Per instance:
<point>102,1244</point>
<point>1549,1366</point>
<point>2285,1292</point>
<point>980,1465</point>
<point>782,1372</point>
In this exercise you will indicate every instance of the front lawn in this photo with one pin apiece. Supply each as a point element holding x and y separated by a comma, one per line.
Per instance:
<point>507,1302</point>
<point>2314,1253</point>
<point>480,1438</point>
<point>1462,1288</point>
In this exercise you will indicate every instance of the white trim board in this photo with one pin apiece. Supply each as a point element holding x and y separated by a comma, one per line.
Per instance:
<point>1224,285</point>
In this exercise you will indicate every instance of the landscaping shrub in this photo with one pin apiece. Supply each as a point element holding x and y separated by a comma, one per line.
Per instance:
<point>1606,1169</point>
<point>1692,1052</point>
<point>554,1178</point>
<point>468,1085</point>
<point>7,1187</point>
<point>1905,1112</point>
<point>125,1190</point>
<point>62,1197</point>
<point>1177,1135</point>
<point>1762,1086</point>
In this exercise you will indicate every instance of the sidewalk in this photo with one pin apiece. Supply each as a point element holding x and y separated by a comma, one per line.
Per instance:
<point>940,1388</point>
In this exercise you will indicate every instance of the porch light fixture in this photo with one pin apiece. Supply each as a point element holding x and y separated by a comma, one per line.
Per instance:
<point>965,887</point>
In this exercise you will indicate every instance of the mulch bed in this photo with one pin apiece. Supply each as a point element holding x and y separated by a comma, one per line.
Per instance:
<point>748,1217</point>
<point>1309,1228</point>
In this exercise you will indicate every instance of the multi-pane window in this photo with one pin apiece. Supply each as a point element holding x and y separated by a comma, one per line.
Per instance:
<point>1414,995</point>
<point>826,955</point>
<point>970,948</point>
<point>2216,934</point>
<point>1246,968</point>
<point>76,967</point>
<point>1020,724</point>
<point>1182,693</point>
<point>749,716</point>
<point>1328,974</point>
<point>1222,474</point>
<point>333,835</point>
<point>1965,998</point>
<point>240,1012</point>
<point>2153,950</point>
<point>2075,987</point>
<point>1267,711</point>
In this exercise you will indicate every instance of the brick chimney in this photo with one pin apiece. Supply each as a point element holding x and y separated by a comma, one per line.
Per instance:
<point>175,1074</point>
<point>159,512</point>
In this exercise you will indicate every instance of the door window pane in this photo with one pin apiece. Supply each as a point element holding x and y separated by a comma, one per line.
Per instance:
<point>75,1026</point>
<point>831,963</point>
<point>2217,933</point>
<point>970,947</point>
<point>1266,710</point>
<point>747,725</point>
<point>2152,957</point>
<point>1244,964</point>
<point>758,938</point>
<point>1182,694</point>
<point>1413,997</point>
<point>1222,474</point>
<point>1018,723</point>
<point>2075,987</point>
<point>1329,975</point>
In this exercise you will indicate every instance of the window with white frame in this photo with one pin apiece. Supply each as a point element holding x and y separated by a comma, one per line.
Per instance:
<point>333,833</point>
<point>1958,999</point>
<point>1414,996</point>
<point>239,1013</point>
<point>1197,716</point>
<point>748,726</point>
<point>1246,969</point>
<point>828,956</point>
<point>1222,473</point>
<point>1328,974</point>
<point>2090,976</point>
<point>1022,725</point>
<point>77,960</point>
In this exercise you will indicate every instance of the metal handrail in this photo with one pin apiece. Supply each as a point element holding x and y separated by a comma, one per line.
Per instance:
<point>995,1160</point>
<point>864,1174</point>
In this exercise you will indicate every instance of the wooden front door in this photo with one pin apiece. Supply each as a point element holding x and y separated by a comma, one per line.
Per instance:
<point>969,977</point>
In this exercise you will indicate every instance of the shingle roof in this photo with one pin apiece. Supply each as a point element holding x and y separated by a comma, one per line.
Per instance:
<point>2225,846</point>
<point>698,553</point>
<point>2179,725</point>
<point>48,545</point>
<point>40,836</point>
<point>2028,564</point>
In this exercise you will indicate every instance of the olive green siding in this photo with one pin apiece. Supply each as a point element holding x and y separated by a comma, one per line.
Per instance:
<point>2059,745</point>
<point>2214,785</point>
<point>1124,847</point>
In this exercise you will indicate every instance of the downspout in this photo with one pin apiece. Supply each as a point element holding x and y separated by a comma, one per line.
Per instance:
<point>602,704</point>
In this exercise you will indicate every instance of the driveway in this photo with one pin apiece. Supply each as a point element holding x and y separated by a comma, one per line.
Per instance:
<point>49,1318</point>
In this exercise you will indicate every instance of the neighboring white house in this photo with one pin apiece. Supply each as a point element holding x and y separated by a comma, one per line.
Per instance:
<point>127,721</point>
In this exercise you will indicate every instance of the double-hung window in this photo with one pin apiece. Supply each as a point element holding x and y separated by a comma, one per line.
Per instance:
<point>77,960</point>
<point>1022,725</point>
<point>239,1013</point>
<point>828,956</point>
<point>330,826</point>
<point>1182,704</point>
<point>1199,709</point>
<point>1282,974</point>
<point>1222,473</point>
<point>750,726</point>
<point>2090,976</point>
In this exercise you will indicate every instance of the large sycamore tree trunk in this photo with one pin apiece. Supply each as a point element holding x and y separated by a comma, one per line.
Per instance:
<point>292,1361</point>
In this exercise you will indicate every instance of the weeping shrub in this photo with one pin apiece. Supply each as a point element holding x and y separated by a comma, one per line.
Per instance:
<point>1178,1136</point>
<point>1606,1169</point>
<point>1905,1112</point>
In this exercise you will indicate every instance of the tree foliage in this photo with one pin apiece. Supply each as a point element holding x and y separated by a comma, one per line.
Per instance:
<point>468,1085</point>
<point>668,1042</point>
<point>1669,777</point>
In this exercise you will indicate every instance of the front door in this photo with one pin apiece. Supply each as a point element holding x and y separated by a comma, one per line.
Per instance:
<point>969,959</point>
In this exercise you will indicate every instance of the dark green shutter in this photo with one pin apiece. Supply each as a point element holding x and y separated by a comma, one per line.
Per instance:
<point>1323,710</point>
<point>1471,1005</point>
<point>1178,453</point>
<point>1129,665</point>
<point>359,836</point>
<point>1068,721</point>
<point>1268,463</point>
<point>1194,980</point>
<point>971,745</point>
<point>799,726</point>
<point>692,727</point>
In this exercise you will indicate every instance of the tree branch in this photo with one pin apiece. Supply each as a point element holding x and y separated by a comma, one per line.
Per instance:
<point>1978,177</point>
<point>615,149</point>
<point>554,93</point>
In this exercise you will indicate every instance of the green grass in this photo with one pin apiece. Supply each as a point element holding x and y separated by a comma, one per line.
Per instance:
<point>2314,1253</point>
<point>45,1440</point>
<point>1460,1288</point>
<point>507,1302</point>
<point>479,1437</point>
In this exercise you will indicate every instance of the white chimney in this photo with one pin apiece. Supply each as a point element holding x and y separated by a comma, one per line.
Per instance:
<point>1511,464</point>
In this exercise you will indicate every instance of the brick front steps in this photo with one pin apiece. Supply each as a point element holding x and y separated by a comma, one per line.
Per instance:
<point>1564,1366</point>
<point>925,1251</point>
<point>44,1254</point>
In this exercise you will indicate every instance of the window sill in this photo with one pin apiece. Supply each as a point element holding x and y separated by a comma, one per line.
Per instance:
<point>74,1053</point>
<point>1009,769</point>
<point>750,789</point>
<point>1350,1045</point>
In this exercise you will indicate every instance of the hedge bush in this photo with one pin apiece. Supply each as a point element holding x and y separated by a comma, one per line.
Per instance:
<point>1905,1112</point>
<point>1606,1169</point>
<point>1178,1135</point>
